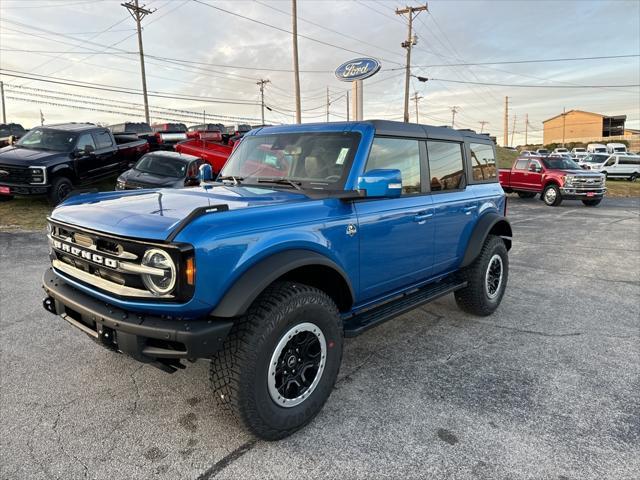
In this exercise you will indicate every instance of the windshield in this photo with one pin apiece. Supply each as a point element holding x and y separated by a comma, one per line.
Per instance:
<point>543,151</point>
<point>314,160</point>
<point>560,163</point>
<point>595,158</point>
<point>159,165</point>
<point>45,139</point>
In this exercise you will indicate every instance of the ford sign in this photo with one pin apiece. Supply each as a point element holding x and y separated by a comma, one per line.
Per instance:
<point>357,69</point>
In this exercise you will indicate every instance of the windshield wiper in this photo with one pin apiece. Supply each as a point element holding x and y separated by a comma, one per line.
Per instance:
<point>281,181</point>
<point>235,180</point>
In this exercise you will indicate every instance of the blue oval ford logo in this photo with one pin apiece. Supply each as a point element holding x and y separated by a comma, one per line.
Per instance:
<point>357,69</point>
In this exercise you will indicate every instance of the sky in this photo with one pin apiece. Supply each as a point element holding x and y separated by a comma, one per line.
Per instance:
<point>211,59</point>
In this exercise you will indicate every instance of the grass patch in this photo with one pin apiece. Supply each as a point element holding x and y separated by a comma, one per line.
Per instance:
<point>505,157</point>
<point>622,188</point>
<point>30,213</point>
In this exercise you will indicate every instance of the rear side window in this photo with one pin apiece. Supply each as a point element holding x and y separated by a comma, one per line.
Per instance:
<point>400,154</point>
<point>521,164</point>
<point>445,165</point>
<point>629,160</point>
<point>103,139</point>
<point>483,162</point>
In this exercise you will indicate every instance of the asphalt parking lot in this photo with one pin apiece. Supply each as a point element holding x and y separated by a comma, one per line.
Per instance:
<point>548,387</point>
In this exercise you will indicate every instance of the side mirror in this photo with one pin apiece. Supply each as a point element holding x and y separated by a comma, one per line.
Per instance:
<point>381,183</point>
<point>205,172</point>
<point>533,168</point>
<point>88,150</point>
<point>131,164</point>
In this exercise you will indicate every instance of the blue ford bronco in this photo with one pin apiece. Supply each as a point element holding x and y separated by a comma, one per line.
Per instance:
<point>310,233</point>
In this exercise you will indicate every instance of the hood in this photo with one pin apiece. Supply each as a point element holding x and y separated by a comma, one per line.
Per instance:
<point>153,214</point>
<point>149,180</point>
<point>579,173</point>
<point>26,157</point>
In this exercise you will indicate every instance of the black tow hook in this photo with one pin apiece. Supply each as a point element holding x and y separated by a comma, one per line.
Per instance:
<point>49,305</point>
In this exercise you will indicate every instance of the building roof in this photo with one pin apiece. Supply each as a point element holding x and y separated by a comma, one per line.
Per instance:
<point>573,111</point>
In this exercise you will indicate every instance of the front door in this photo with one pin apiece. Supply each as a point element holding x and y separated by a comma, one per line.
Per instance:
<point>533,176</point>
<point>396,234</point>
<point>85,157</point>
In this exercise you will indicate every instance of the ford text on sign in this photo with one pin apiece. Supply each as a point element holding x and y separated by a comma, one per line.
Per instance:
<point>357,69</point>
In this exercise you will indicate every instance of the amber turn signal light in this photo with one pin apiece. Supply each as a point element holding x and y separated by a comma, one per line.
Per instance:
<point>190,271</point>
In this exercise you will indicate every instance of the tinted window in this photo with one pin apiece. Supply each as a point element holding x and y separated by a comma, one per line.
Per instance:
<point>400,154</point>
<point>103,139</point>
<point>445,165</point>
<point>483,162</point>
<point>160,165</point>
<point>522,164</point>
<point>629,160</point>
<point>84,140</point>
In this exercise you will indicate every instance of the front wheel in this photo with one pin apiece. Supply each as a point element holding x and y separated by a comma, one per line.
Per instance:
<point>551,196</point>
<point>60,188</point>
<point>281,360</point>
<point>592,203</point>
<point>486,279</point>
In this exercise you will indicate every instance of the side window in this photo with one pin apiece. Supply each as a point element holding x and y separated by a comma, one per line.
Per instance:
<point>103,139</point>
<point>483,162</point>
<point>522,164</point>
<point>84,140</point>
<point>445,165</point>
<point>401,154</point>
<point>610,162</point>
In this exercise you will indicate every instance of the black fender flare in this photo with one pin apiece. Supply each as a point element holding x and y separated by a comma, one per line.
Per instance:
<point>62,169</point>
<point>245,290</point>
<point>480,233</point>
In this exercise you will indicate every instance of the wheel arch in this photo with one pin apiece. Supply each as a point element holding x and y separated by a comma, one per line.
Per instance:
<point>489,224</point>
<point>304,266</point>
<point>62,170</point>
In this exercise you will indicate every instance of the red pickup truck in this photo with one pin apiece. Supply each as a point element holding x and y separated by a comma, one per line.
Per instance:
<point>210,147</point>
<point>555,179</point>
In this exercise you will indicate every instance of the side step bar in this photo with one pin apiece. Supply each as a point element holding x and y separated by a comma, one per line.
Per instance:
<point>362,322</point>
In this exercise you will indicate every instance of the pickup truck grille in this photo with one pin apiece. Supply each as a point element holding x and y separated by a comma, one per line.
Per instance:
<point>17,175</point>
<point>587,183</point>
<point>107,263</point>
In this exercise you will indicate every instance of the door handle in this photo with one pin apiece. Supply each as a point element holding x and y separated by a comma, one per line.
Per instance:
<point>422,216</point>
<point>468,210</point>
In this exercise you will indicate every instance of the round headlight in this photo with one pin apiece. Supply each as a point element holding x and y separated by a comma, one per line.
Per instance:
<point>159,284</point>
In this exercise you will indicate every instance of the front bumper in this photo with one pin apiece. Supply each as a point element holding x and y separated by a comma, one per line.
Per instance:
<point>146,338</point>
<point>15,189</point>
<point>580,193</point>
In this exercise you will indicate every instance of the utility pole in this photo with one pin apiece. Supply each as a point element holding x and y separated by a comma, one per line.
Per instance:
<point>482,124</point>
<point>454,110</point>
<point>564,113</point>
<point>410,42</point>
<point>505,126</point>
<point>327,104</point>
<point>415,99</point>
<point>138,13</point>
<point>262,83</point>
<point>4,111</point>
<point>296,68</point>
<point>347,105</point>
<point>513,129</point>
<point>526,129</point>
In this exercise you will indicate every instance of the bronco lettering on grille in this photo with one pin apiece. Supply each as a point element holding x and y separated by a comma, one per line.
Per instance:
<point>85,254</point>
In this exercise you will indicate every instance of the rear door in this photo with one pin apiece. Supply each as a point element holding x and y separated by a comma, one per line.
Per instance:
<point>456,210</point>
<point>106,154</point>
<point>396,234</point>
<point>518,179</point>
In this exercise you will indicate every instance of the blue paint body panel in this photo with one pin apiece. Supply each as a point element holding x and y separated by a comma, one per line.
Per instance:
<point>400,243</point>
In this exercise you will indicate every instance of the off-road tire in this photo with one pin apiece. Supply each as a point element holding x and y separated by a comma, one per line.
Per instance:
<point>592,202</point>
<point>474,298</point>
<point>526,194</point>
<point>557,200</point>
<point>61,187</point>
<point>239,371</point>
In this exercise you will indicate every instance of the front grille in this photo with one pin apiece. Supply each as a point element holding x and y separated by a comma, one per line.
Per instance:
<point>99,261</point>
<point>587,183</point>
<point>16,174</point>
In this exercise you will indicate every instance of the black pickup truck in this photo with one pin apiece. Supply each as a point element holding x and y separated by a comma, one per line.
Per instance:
<point>53,160</point>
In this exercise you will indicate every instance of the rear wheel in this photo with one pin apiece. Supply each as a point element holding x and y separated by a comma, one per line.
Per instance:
<point>634,177</point>
<point>486,279</point>
<point>526,194</point>
<point>60,188</point>
<point>552,196</point>
<point>280,361</point>
<point>592,202</point>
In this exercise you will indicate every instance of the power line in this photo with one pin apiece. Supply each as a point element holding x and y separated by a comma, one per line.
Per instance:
<point>510,62</point>
<point>532,86</point>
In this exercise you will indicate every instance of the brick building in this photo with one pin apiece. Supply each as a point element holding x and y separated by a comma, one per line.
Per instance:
<point>577,125</point>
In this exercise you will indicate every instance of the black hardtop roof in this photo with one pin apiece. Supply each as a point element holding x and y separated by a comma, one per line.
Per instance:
<point>72,127</point>
<point>415,130</point>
